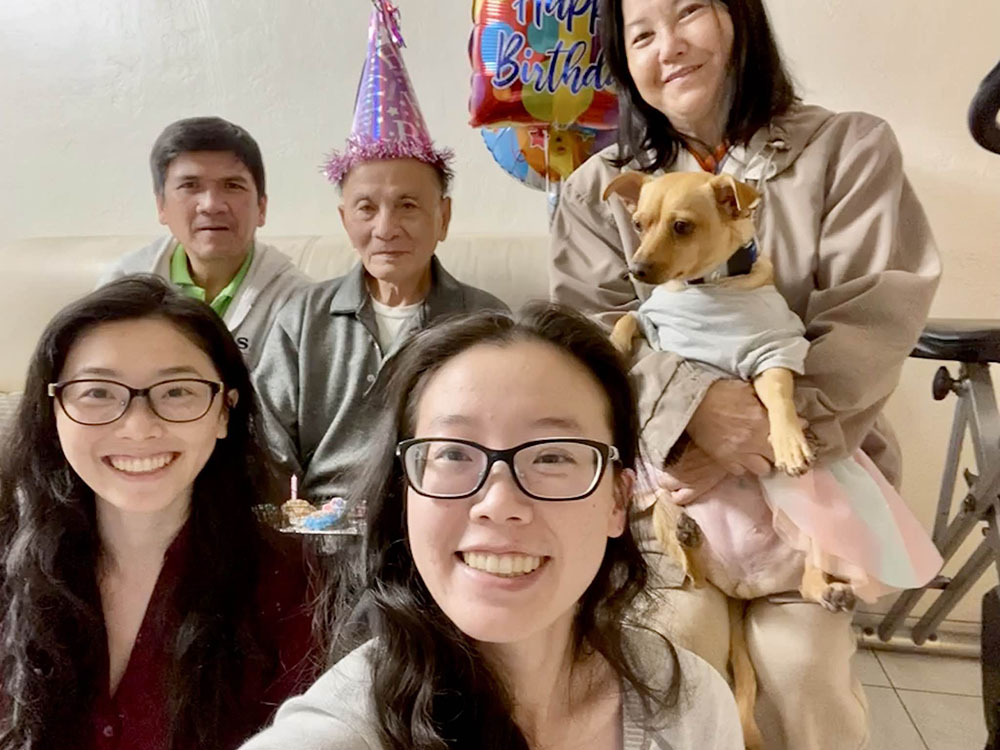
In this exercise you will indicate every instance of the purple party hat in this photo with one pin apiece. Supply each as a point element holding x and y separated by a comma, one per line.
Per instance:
<point>387,119</point>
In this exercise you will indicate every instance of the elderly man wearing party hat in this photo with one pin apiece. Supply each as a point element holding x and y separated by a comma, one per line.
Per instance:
<point>329,343</point>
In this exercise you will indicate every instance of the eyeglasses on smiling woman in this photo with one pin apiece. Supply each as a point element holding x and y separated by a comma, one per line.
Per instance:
<point>98,402</point>
<point>547,469</point>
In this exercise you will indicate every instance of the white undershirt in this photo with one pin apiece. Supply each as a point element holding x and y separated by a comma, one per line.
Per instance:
<point>391,320</point>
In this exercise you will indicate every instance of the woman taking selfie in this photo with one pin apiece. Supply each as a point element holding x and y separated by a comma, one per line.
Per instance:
<point>501,573</point>
<point>702,87</point>
<point>143,606</point>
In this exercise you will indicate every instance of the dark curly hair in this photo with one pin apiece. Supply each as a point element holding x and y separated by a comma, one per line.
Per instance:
<point>762,87</point>
<point>53,642</point>
<point>432,688</point>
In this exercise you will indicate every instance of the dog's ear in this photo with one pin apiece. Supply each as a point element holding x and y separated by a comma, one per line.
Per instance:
<point>736,199</point>
<point>628,185</point>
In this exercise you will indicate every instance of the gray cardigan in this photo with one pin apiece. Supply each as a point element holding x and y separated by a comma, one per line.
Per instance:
<point>269,282</point>
<point>337,713</point>
<point>320,362</point>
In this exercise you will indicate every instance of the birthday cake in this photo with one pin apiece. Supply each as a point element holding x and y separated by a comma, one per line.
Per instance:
<point>296,510</point>
<point>330,515</point>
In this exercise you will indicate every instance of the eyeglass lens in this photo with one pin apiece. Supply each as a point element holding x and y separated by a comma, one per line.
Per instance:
<point>100,401</point>
<point>549,470</point>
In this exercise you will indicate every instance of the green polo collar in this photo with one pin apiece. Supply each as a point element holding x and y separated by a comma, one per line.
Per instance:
<point>181,276</point>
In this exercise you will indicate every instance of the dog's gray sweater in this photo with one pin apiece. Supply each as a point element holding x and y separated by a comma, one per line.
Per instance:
<point>739,331</point>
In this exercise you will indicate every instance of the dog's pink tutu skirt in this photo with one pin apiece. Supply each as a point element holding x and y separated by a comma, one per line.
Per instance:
<point>854,525</point>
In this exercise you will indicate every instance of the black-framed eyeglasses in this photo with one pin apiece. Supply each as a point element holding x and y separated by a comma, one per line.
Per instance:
<point>546,469</point>
<point>96,402</point>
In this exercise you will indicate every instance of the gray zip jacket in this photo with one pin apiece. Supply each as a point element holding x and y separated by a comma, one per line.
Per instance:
<point>270,281</point>
<point>320,361</point>
<point>337,713</point>
<point>853,255</point>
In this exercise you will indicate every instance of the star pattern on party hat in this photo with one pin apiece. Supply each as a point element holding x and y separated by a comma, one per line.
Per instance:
<point>387,122</point>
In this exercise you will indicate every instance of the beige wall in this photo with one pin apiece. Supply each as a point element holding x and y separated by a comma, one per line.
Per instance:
<point>86,86</point>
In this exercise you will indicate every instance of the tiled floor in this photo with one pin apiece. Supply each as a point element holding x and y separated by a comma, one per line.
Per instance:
<point>922,702</point>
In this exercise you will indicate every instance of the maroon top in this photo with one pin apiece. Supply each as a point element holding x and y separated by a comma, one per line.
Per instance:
<point>135,718</point>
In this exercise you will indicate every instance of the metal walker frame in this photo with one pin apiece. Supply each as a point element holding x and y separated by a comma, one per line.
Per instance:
<point>976,414</point>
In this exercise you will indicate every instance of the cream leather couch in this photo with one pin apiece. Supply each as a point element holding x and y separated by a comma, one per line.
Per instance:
<point>41,275</point>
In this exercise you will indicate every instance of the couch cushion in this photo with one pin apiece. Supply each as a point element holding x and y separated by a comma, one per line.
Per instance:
<point>44,274</point>
<point>8,405</point>
<point>41,276</point>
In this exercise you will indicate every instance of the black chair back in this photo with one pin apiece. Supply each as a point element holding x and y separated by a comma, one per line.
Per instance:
<point>983,112</point>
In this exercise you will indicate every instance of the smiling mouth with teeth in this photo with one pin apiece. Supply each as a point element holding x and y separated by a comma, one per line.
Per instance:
<point>505,566</point>
<point>145,465</point>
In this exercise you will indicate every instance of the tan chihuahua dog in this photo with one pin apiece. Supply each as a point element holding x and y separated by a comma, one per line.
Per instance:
<point>690,224</point>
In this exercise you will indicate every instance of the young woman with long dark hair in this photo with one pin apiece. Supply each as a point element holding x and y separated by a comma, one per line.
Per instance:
<point>502,582</point>
<point>142,606</point>
<point>702,86</point>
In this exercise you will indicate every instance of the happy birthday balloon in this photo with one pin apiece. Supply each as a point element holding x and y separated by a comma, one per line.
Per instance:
<point>539,62</point>
<point>541,156</point>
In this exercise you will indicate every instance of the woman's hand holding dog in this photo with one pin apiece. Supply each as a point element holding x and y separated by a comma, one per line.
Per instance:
<point>691,476</point>
<point>731,427</point>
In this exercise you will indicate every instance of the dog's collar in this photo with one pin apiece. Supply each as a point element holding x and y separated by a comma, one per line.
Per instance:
<point>739,264</point>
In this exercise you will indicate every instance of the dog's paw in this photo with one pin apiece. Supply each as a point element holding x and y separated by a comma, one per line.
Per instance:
<point>688,531</point>
<point>792,452</point>
<point>624,332</point>
<point>623,346</point>
<point>622,343</point>
<point>839,597</point>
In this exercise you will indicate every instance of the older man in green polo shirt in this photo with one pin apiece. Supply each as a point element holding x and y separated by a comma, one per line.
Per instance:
<point>208,180</point>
